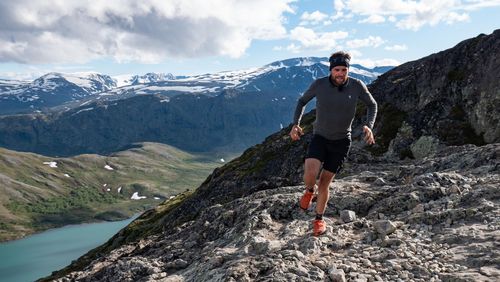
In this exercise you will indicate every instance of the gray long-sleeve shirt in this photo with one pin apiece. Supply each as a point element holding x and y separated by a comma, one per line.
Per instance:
<point>335,109</point>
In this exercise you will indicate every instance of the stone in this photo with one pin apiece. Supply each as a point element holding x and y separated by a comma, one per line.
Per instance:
<point>177,264</point>
<point>418,208</point>
<point>347,216</point>
<point>490,271</point>
<point>337,275</point>
<point>384,227</point>
<point>379,182</point>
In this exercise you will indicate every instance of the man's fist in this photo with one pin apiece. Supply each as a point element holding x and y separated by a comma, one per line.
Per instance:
<point>369,138</point>
<point>296,132</point>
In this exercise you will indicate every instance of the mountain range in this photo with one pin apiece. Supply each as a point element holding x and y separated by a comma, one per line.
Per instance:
<point>56,89</point>
<point>227,111</point>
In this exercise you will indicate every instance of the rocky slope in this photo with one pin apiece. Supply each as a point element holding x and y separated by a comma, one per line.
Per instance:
<point>435,219</point>
<point>452,96</point>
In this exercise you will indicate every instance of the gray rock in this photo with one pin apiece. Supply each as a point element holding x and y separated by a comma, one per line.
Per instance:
<point>347,216</point>
<point>337,275</point>
<point>379,182</point>
<point>384,227</point>
<point>177,264</point>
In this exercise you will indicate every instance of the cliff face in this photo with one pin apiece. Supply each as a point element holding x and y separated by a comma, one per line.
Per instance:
<point>452,95</point>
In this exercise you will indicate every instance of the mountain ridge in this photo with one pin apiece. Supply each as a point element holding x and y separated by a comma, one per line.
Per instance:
<point>71,90</point>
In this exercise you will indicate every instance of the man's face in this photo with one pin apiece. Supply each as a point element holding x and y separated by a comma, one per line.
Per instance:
<point>339,74</point>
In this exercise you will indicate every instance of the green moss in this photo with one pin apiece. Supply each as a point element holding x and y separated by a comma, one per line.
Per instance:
<point>261,163</point>
<point>391,119</point>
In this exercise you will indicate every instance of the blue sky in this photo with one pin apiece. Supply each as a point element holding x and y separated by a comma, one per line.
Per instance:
<point>186,37</point>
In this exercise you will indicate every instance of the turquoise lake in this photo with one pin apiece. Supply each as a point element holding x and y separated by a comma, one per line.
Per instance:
<point>38,255</point>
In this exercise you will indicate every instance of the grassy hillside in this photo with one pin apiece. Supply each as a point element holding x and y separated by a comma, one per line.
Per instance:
<point>40,192</point>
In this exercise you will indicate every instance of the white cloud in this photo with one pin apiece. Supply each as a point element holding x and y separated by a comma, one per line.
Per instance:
<point>293,48</point>
<point>128,30</point>
<point>471,5</point>
<point>373,19</point>
<point>370,41</point>
<point>396,48</point>
<point>454,17</point>
<point>411,14</point>
<point>313,18</point>
<point>322,41</point>
<point>376,63</point>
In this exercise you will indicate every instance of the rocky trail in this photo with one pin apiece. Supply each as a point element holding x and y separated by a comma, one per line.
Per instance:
<point>436,219</point>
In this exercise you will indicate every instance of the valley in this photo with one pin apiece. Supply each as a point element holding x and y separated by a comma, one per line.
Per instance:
<point>40,192</point>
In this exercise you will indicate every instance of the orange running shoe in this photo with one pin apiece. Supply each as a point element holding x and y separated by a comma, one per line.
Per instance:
<point>319,227</point>
<point>306,199</point>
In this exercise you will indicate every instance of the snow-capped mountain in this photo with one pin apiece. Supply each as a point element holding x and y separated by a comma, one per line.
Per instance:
<point>287,78</point>
<point>150,77</point>
<point>92,83</point>
<point>50,90</point>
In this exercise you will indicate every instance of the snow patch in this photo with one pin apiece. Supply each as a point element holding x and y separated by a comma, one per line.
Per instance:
<point>51,164</point>
<point>136,196</point>
<point>83,110</point>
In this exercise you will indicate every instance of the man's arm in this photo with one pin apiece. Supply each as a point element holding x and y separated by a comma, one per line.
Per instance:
<point>371,114</point>
<point>296,131</point>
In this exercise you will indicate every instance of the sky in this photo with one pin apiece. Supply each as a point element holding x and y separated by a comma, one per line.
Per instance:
<point>188,37</point>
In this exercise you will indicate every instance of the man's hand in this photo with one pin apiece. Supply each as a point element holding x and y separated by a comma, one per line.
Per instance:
<point>369,138</point>
<point>296,132</point>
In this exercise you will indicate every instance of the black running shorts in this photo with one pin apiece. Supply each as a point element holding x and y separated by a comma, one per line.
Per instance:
<point>332,153</point>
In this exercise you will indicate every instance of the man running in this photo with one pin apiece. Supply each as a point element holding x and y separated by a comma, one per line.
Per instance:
<point>336,98</point>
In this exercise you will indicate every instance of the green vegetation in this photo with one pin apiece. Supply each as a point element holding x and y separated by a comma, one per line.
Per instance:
<point>391,120</point>
<point>88,188</point>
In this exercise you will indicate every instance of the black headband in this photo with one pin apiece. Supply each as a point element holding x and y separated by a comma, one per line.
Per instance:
<point>339,61</point>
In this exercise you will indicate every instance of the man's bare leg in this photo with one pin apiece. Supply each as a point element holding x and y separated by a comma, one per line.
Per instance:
<point>311,169</point>
<point>325,179</point>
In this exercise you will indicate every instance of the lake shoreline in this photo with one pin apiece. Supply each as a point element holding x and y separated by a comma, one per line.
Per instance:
<point>38,231</point>
<point>38,255</point>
